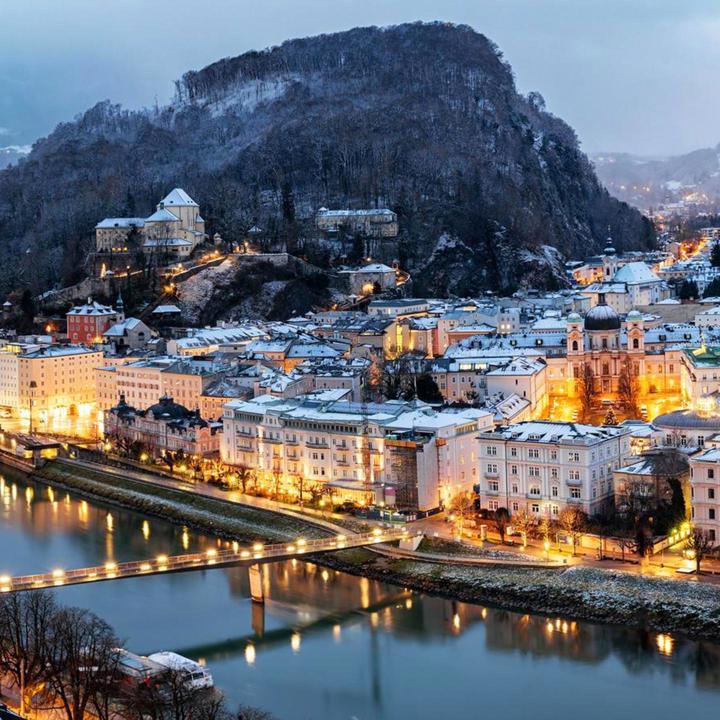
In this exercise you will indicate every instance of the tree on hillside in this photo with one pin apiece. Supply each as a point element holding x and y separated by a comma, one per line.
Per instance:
<point>712,289</point>
<point>688,290</point>
<point>715,254</point>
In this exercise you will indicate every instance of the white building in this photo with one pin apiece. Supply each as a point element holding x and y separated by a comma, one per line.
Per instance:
<point>705,491</point>
<point>542,467</point>
<point>404,454</point>
<point>522,376</point>
<point>51,382</point>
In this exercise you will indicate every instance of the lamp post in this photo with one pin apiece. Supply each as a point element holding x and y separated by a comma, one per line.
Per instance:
<point>32,387</point>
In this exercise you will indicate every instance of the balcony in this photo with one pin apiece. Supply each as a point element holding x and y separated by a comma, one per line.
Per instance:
<point>574,482</point>
<point>318,444</point>
<point>575,500</point>
<point>491,473</point>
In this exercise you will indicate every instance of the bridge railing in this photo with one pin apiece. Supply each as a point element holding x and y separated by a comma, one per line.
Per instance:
<point>212,556</point>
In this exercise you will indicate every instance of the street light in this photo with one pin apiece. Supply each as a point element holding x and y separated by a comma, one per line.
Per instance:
<point>33,385</point>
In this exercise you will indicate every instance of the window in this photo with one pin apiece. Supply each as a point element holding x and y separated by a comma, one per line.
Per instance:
<point>574,457</point>
<point>553,454</point>
<point>535,490</point>
<point>513,452</point>
<point>554,491</point>
<point>555,510</point>
<point>515,507</point>
<point>711,514</point>
<point>492,468</point>
<point>573,474</point>
<point>514,488</point>
<point>533,453</point>
<point>493,505</point>
<point>493,485</point>
<point>534,471</point>
<point>554,473</point>
<point>635,344</point>
<point>491,450</point>
<point>513,470</point>
<point>711,473</point>
<point>575,493</point>
<point>535,508</point>
<point>574,345</point>
<point>711,493</point>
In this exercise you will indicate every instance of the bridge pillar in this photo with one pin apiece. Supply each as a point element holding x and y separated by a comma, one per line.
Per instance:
<point>256,584</point>
<point>258,618</point>
<point>411,543</point>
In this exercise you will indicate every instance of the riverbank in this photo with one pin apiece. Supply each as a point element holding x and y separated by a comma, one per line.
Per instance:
<point>671,606</point>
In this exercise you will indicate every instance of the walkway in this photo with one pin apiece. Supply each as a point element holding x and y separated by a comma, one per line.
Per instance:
<point>254,555</point>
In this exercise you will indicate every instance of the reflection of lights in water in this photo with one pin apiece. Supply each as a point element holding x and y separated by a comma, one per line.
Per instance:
<point>185,539</point>
<point>408,604</point>
<point>83,510</point>
<point>109,522</point>
<point>29,495</point>
<point>336,633</point>
<point>364,592</point>
<point>483,613</point>
<point>374,619</point>
<point>295,642</point>
<point>549,627</point>
<point>456,621</point>
<point>146,529</point>
<point>664,644</point>
<point>325,575</point>
<point>51,495</point>
<point>250,654</point>
<point>565,628</point>
<point>13,491</point>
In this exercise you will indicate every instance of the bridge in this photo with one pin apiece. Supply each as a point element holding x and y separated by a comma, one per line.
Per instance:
<point>253,555</point>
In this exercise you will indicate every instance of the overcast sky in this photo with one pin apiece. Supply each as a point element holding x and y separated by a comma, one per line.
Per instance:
<point>629,75</point>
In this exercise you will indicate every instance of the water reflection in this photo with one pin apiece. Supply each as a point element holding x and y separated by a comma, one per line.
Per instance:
<point>346,645</point>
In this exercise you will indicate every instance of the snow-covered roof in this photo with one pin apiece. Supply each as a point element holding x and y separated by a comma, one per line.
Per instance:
<point>91,307</point>
<point>178,196</point>
<point>556,432</point>
<point>520,366</point>
<point>374,268</point>
<point>119,329</point>
<point>128,222</point>
<point>162,215</point>
<point>167,242</point>
<point>324,212</point>
<point>635,273</point>
<point>162,309</point>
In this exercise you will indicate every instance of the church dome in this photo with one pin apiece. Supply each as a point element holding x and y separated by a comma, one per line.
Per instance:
<point>634,316</point>
<point>602,317</point>
<point>573,317</point>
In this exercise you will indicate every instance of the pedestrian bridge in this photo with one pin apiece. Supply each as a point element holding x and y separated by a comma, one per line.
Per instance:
<point>252,555</point>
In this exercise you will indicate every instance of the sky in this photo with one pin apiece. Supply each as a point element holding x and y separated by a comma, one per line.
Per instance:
<point>634,76</point>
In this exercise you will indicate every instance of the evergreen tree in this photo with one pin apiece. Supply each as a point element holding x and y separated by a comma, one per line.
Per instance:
<point>713,288</point>
<point>688,290</point>
<point>715,254</point>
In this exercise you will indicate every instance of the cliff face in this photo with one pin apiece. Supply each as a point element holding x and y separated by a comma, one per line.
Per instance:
<point>491,191</point>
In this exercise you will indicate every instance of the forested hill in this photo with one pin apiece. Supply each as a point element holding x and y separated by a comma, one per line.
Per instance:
<point>423,118</point>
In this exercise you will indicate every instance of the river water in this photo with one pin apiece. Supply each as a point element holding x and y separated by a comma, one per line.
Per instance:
<point>330,646</point>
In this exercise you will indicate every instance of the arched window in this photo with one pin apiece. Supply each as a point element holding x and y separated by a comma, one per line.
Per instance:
<point>574,345</point>
<point>636,343</point>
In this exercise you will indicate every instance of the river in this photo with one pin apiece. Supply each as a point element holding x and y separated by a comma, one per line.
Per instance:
<point>330,646</point>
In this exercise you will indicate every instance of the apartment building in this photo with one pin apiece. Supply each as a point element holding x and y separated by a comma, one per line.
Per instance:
<point>705,491</point>
<point>542,467</point>
<point>404,454</point>
<point>87,323</point>
<point>144,382</point>
<point>51,381</point>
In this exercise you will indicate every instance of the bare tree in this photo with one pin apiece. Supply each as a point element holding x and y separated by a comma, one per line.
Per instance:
<point>250,713</point>
<point>628,388</point>
<point>522,523</point>
<point>701,544</point>
<point>586,390</point>
<point>626,544</point>
<point>245,475</point>
<point>170,697</point>
<point>81,663</point>
<point>462,507</point>
<point>26,621</point>
<point>574,522</point>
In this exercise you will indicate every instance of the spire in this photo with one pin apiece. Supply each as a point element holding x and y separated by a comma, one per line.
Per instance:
<point>119,304</point>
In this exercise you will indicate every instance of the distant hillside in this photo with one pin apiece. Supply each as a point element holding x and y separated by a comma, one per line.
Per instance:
<point>646,181</point>
<point>490,189</point>
<point>12,154</point>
